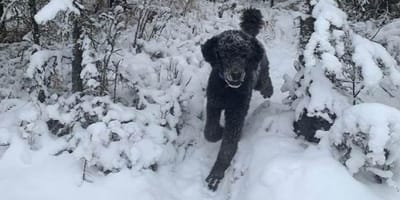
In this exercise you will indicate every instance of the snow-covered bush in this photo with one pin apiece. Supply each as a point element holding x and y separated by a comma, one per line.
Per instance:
<point>100,43</point>
<point>151,109</point>
<point>111,136</point>
<point>24,119</point>
<point>338,66</point>
<point>45,70</point>
<point>154,88</point>
<point>104,135</point>
<point>366,138</point>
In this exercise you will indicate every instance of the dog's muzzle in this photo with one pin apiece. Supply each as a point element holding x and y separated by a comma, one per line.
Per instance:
<point>234,80</point>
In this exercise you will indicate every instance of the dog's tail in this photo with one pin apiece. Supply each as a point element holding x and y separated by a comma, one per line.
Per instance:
<point>251,21</point>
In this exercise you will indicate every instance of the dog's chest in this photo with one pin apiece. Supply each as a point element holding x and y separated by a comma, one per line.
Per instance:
<point>224,96</point>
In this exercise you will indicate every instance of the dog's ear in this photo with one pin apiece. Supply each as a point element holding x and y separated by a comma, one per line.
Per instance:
<point>208,50</point>
<point>258,51</point>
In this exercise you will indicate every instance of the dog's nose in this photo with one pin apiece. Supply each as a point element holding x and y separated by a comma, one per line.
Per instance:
<point>236,75</point>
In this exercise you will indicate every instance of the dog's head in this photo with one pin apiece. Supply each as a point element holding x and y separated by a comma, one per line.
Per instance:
<point>234,54</point>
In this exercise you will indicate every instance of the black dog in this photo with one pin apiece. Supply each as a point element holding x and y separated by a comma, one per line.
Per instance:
<point>239,65</point>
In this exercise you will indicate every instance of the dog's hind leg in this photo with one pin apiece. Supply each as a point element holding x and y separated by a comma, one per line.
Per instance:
<point>213,130</point>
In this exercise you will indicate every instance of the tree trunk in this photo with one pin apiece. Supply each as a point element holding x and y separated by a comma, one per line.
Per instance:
<point>77,57</point>
<point>2,25</point>
<point>35,26</point>
<point>1,9</point>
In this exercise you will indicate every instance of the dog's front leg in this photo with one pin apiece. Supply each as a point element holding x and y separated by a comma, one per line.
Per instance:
<point>234,120</point>
<point>264,83</point>
<point>213,131</point>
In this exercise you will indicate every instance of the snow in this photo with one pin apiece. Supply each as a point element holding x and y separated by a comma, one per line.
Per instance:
<point>317,94</point>
<point>50,10</point>
<point>326,14</point>
<point>37,60</point>
<point>375,119</point>
<point>370,56</point>
<point>324,96</point>
<point>370,132</point>
<point>271,162</point>
<point>329,11</point>
<point>331,63</point>
<point>310,174</point>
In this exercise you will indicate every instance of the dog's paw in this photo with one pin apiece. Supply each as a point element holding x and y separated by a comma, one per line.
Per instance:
<point>213,180</point>
<point>267,92</point>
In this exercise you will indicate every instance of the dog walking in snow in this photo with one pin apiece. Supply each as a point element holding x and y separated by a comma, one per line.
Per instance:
<point>239,65</point>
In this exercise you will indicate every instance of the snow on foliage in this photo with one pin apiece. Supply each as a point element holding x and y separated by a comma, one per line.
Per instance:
<point>46,72</point>
<point>326,49</point>
<point>23,119</point>
<point>106,135</point>
<point>320,53</point>
<point>375,61</point>
<point>339,65</point>
<point>160,89</point>
<point>13,68</point>
<point>367,138</point>
<point>323,96</point>
<point>111,136</point>
<point>331,28</point>
<point>50,10</point>
<point>389,36</point>
<point>38,60</point>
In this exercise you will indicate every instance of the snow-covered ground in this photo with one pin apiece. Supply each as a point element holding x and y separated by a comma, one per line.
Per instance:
<point>271,162</point>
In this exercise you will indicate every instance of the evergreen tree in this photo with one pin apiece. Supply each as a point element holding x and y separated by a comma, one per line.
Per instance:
<point>335,66</point>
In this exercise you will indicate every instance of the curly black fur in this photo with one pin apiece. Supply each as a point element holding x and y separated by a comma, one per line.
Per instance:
<point>251,21</point>
<point>239,65</point>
